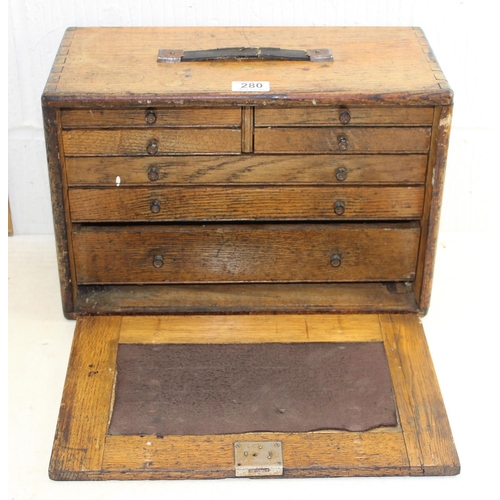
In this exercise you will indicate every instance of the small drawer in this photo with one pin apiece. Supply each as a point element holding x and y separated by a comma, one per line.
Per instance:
<point>151,117</point>
<point>115,142</point>
<point>247,169</point>
<point>244,203</point>
<point>246,253</point>
<point>341,115</point>
<point>342,140</point>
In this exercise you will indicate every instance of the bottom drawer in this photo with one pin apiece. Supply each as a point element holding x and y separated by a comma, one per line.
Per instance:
<point>246,253</point>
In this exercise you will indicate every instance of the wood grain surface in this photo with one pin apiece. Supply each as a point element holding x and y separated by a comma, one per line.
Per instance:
<point>401,67</point>
<point>243,298</point>
<point>248,169</point>
<point>112,142</point>
<point>427,432</point>
<point>244,203</point>
<point>218,329</point>
<point>326,140</point>
<point>357,115</point>
<point>163,117</point>
<point>421,445</point>
<point>245,253</point>
<point>87,398</point>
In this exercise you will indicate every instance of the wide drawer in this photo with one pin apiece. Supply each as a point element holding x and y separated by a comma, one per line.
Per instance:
<point>344,115</point>
<point>214,203</point>
<point>104,142</point>
<point>147,117</point>
<point>342,140</point>
<point>248,169</point>
<point>246,253</point>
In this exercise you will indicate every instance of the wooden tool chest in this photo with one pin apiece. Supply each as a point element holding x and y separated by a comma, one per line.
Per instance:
<point>287,196</point>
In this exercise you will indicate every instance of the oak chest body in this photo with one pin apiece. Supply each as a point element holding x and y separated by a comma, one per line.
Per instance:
<point>258,197</point>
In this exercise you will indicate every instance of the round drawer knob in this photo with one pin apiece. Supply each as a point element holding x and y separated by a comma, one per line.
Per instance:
<point>155,206</point>
<point>344,117</point>
<point>339,207</point>
<point>150,117</point>
<point>335,261</point>
<point>341,174</point>
<point>343,143</point>
<point>152,148</point>
<point>157,261</point>
<point>153,174</point>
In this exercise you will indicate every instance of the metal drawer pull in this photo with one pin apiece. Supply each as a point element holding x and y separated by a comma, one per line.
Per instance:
<point>343,143</point>
<point>345,117</point>
<point>157,261</point>
<point>152,148</point>
<point>153,174</point>
<point>155,206</point>
<point>341,174</point>
<point>150,117</point>
<point>339,208</point>
<point>244,53</point>
<point>335,261</point>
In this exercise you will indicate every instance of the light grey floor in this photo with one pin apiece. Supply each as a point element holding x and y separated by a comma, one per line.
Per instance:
<point>462,330</point>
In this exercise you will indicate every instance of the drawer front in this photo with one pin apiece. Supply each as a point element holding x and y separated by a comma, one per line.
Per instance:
<point>102,142</point>
<point>337,115</point>
<point>238,203</point>
<point>172,117</point>
<point>246,253</point>
<point>248,169</point>
<point>342,140</point>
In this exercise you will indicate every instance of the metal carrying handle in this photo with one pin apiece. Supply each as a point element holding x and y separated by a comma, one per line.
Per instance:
<point>244,53</point>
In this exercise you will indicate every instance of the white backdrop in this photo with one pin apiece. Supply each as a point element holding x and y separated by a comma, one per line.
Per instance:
<point>459,31</point>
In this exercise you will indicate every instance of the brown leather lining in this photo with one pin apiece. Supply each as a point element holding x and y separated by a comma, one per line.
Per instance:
<point>203,389</point>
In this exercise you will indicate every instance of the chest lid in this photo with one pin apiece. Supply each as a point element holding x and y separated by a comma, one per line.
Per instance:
<point>393,65</point>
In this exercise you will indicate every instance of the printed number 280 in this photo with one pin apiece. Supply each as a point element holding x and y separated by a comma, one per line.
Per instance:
<point>250,86</point>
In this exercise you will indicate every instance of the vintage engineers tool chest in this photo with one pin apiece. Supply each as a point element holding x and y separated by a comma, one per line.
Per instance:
<point>246,222</point>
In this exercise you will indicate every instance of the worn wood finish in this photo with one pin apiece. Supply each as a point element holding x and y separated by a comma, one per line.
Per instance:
<point>248,217</point>
<point>247,298</point>
<point>360,150</point>
<point>402,68</point>
<point>87,398</point>
<point>232,203</point>
<point>245,253</point>
<point>249,169</point>
<point>432,207</point>
<point>150,117</point>
<point>357,115</point>
<point>59,208</point>
<point>305,454</point>
<point>247,120</point>
<point>102,142</point>
<point>423,416</point>
<point>248,329</point>
<point>420,445</point>
<point>327,140</point>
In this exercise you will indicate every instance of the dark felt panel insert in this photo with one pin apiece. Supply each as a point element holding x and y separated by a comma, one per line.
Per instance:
<point>202,389</point>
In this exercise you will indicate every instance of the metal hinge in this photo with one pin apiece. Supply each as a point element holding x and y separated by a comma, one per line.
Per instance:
<point>258,458</point>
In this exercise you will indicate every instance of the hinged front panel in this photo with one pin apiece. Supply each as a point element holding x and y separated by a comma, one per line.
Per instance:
<point>101,418</point>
